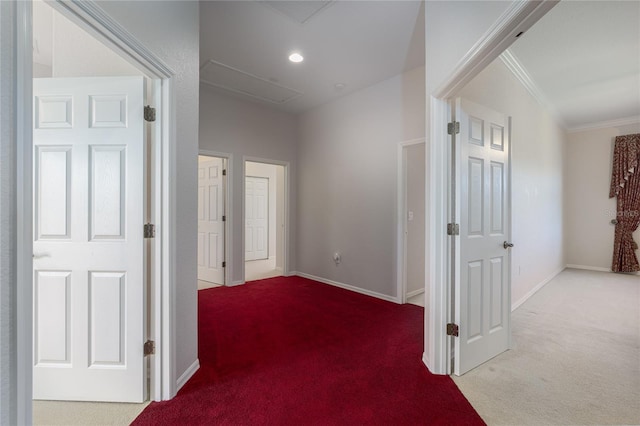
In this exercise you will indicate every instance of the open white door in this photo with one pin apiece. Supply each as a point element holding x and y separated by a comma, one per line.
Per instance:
<point>211,220</point>
<point>89,290</point>
<point>482,289</point>
<point>256,218</point>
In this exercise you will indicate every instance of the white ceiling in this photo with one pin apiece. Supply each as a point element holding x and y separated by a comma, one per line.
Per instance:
<point>355,43</point>
<point>583,58</point>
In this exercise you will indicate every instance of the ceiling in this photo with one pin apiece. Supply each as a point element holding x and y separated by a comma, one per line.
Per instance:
<point>245,45</point>
<point>583,59</point>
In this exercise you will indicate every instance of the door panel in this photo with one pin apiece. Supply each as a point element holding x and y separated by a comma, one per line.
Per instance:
<point>89,295</point>
<point>210,219</point>
<point>482,289</point>
<point>256,218</point>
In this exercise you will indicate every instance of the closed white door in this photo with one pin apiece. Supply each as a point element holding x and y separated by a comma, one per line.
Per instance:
<point>482,292</point>
<point>89,292</point>
<point>256,218</point>
<point>211,220</point>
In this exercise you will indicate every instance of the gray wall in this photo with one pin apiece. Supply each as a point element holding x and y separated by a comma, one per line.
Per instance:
<point>244,128</point>
<point>348,179</point>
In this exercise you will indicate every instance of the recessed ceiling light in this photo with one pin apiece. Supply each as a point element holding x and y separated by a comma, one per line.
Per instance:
<point>339,86</point>
<point>296,57</point>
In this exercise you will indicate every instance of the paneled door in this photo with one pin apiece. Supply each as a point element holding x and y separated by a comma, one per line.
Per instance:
<point>256,232</point>
<point>210,220</point>
<point>482,290</point>
<point>89,292</point>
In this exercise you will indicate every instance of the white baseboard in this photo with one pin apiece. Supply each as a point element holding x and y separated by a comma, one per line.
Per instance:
<point>187,374</point>
<point>349,287</point>
<point>291,274</point>
<point>534,290</point>
<point>425,360</point>
<point>234,283</point>
<point>415,293</point>
<point>589,268</point>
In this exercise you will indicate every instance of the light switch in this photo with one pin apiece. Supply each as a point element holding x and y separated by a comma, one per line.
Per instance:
<point>410,216</point>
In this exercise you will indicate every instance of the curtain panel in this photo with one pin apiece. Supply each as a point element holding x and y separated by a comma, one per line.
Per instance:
<point>625,186</point>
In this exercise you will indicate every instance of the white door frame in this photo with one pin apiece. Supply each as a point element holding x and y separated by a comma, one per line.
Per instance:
<point>401,238</point>
<point>285,234</point>
<point>228,210</point>
<point>94,20</point>
<point>519,17</point>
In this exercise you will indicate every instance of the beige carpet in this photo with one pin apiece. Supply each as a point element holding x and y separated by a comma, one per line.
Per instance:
<point>84,413</point>
<point>575,360</point>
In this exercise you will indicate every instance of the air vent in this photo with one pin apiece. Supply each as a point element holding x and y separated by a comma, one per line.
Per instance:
<point>225,77</point>
<point>298,11</point>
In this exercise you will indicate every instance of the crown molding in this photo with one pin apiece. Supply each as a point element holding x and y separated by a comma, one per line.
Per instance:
<point>626,121</point>
<point>519,71</point>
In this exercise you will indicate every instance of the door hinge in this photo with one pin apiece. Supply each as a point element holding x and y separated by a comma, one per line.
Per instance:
<point>149,230</point>
<point>224,264</point>
<point>453,329</point>
<point>149,113</point>
<point>224,218</point>
<point>149,348</point>
<point>453,229</point>
<point>453,127</point>
<point>224,172</point>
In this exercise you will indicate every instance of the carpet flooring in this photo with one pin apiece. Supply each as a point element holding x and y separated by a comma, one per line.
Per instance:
<point>575,360</point>
<point>291,351</point>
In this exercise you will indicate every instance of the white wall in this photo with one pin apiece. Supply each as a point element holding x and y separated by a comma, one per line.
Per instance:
<point>415,177</point>
<point>589,210</point>
<point>537,154</point>
<point>347,181</point>
<point>170,29</point>
<point>242,128</point>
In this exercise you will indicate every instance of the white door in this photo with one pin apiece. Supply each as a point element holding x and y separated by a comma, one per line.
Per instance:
<point>482,291</point>
<point>256,218</point>
<point>210,220</point>
<point>89,292</point>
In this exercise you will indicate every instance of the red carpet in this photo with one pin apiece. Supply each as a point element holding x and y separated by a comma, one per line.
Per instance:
<point>291,351</point>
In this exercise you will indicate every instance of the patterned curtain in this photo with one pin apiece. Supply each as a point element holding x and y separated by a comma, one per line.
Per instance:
<point>625,185</point>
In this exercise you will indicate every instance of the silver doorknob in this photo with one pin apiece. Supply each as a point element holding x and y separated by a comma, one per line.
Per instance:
<point>40,255</point>
<point>507,245</point>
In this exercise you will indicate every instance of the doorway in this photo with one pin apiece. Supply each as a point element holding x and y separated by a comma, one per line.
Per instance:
<point>264,220</point>
<point>212,217</point>
<point>95,276</point>
<point>411,214</point>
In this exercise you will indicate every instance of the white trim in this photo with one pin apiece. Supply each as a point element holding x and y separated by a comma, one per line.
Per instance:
<point>235,283</point>
<point>89,16</point>
<point>534,290</point>
<point>626,121</point>
<point>287,209</point>
<point>519,71</point>
<point>588,268</point>
<point>519,17</point>
<point>401,220</point>
<point>228,226</point>
<point>348,287</point>
<point>24,208</point>
<point>438,284</point>
<point>189,372</point>
<point>415,293</point>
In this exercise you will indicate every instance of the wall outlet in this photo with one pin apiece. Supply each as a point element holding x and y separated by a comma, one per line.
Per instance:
<point>337,257</point>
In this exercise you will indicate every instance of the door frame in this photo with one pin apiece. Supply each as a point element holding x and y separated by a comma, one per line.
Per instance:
<point>401,238</point>
<point>101,26</point>
<point>228,210</point>
<point>286,232</point>
<point>519,17</point>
